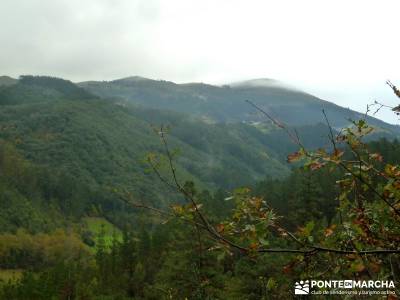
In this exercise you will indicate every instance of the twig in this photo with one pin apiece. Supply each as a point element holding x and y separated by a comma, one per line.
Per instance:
<point>294,137</point>
<point>211,230</point>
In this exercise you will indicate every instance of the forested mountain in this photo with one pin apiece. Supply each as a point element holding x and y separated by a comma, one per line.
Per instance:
<point>104,142</point>
<point>71,155</point>
<point>57,124</point>
<point>6,80</point>
<point>227,103</point>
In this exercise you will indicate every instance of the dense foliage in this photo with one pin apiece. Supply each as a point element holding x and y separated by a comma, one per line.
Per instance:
<point>84,214</point>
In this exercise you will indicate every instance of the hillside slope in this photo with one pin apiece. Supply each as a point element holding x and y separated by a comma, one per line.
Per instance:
<point>84,151</point>
<point>227,104</point>
<point>6,80</point>
<point>104,142</point>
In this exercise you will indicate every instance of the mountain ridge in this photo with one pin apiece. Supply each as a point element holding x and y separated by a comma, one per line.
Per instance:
<point>226,103</point>
<point>101,143</point>
<point>7,80</point>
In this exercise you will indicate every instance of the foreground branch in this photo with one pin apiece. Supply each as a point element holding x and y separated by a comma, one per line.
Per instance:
<point>205,224</point>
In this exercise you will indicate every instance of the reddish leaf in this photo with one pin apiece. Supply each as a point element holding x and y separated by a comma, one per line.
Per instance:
<point>220,228</point>
<point>329,230</point>
<point>376,156</point>
<point>253,246</point>
<point>316,166</point>
<point>294,157</point>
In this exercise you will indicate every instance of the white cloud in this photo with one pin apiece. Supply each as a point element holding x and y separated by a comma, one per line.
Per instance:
<point>335,49</point>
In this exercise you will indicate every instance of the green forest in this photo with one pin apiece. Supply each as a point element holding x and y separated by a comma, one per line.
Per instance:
<point>110,191</point>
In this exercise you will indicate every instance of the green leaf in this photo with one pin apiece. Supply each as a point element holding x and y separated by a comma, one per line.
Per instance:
<point>221,256</point>
<point>309,227</point>
<point>263,241</point>
<point>271,284</point>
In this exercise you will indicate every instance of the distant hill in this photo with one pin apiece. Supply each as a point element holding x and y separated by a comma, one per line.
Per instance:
<point>82,148</point>
<point>56,124</point>
<point>226,104</point>
<point>6,80</point>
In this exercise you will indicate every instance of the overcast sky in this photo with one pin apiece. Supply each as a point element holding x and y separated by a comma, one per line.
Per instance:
<point>341,51</point>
